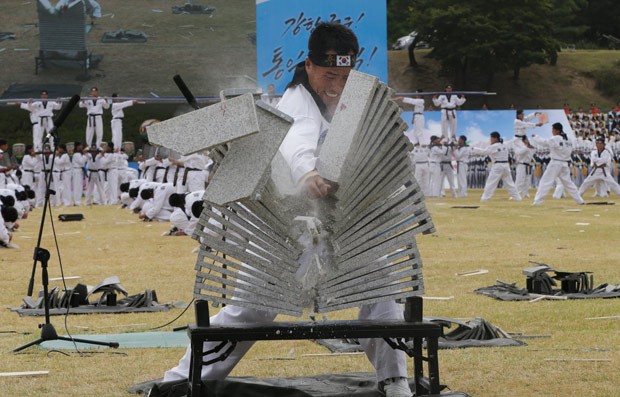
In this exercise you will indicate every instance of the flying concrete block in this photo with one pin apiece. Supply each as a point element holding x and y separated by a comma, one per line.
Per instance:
<point>207,127</point>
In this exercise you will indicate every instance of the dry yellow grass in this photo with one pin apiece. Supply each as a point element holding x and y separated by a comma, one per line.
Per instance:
<point>501,236</point>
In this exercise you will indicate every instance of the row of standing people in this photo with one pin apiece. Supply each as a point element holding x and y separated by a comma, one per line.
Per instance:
<point>42,114</point>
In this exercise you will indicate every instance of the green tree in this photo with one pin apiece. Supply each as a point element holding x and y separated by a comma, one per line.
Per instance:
<point>568,26</point>
<point>482,37</point>
<point>602,17</point>
<point>398,23</point>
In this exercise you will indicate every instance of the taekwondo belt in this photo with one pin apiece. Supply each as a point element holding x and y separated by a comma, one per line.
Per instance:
<point>92,119</point>
<point>117,118</point>
<point>176,175</point>
<point>35,123</point>
<point>450,111</point>
<point>59,173</point>
<point>187,170</point>
<point>166,175</point>
<point>105,173</point>
<point>418,114</point>
<point>500,162</point>
<point>421,162</point>
<point>157,169</point>
<point>597,167</point>
<point>91,172</point>
<point>528,168</point>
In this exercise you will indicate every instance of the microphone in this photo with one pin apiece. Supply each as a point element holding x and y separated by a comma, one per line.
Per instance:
<point>186,92</point>
<point>64,114</point>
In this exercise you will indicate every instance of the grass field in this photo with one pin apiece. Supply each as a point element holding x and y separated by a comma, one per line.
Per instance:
<point>578,357</point>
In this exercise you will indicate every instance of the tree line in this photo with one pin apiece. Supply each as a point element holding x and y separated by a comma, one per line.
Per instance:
<point>484,37</point>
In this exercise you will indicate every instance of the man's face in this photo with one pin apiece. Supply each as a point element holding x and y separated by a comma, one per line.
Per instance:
<point>327,82</point>
<point>94,92</point>
<point>600,146</point>
<point>449,88</point>
<point>44,95</point>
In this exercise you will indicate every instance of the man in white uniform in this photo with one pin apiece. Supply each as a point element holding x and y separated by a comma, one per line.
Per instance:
<point>462,153</point>
<point>117,119</point>
<point>436,176</point>
<point>41,112</point>
<point>500,170</point>
<point>560,149</point>
<point>448,104</point>
<point>600,163</point>
<point>78,161</point>
<point>524,154</point>
<point>419,157</point>
<point>94,112</point>
<point>311,99</point>
<point>418,116</point>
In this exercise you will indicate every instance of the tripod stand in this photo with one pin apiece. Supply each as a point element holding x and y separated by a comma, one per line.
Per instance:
<point>48,332</point>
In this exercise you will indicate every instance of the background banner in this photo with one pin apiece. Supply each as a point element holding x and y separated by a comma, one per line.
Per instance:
<point>283,28</point>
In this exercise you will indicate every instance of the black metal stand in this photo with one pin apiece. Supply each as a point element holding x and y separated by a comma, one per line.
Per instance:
<point>42,255</point>
<point>392,331</point>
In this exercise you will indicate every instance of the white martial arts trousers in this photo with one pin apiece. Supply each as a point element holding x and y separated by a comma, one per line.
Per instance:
<point>600,175</point>
<point>500,171</point>
<point>461,175</point>
<point>423,176</point>
<point>556,169</point>
<point>523,179</point>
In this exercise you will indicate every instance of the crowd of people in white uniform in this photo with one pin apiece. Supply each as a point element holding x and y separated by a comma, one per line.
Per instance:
<point>519,165</point>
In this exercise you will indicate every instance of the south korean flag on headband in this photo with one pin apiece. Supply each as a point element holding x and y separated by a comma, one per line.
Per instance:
<point>344,60</point>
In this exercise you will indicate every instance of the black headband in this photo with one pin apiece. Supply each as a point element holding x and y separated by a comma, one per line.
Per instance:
<point>332,60</point>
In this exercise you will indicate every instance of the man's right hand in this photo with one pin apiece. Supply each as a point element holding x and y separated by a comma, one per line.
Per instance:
<point>315,187</point>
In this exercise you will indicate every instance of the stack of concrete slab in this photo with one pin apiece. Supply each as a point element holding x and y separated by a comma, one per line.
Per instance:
<point>266,248</point>
<point>379,208</point>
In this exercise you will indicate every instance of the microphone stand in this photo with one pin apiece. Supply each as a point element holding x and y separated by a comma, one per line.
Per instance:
<point>48,332</point>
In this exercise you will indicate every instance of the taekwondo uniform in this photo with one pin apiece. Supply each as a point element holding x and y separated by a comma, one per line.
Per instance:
<point>30,171</point>
<point>435,157</point>
<point>43,111</point>
<point>158,208</point>
<point>601,172</point>
<point>94,112</point>
<point>462,155</point>
<point>418,118</point>
<point>117,122</point>
<point>447,171</point>
<point>419,157</point>
<point>523,179</point>
<point>560,154</point>
<point>500,170</point>
<point>78,161</point>
<point>62,179</point>
<point>521,126</point>
<point>448,104</point>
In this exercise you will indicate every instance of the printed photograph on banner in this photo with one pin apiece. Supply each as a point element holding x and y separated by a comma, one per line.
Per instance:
<point>478,124</point>
<point>284,26</point>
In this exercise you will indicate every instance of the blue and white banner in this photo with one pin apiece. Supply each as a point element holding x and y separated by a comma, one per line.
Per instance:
<point>284,26</point>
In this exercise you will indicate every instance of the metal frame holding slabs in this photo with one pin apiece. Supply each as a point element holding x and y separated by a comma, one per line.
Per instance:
<point>265,247</point>
<point>393,332</point>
